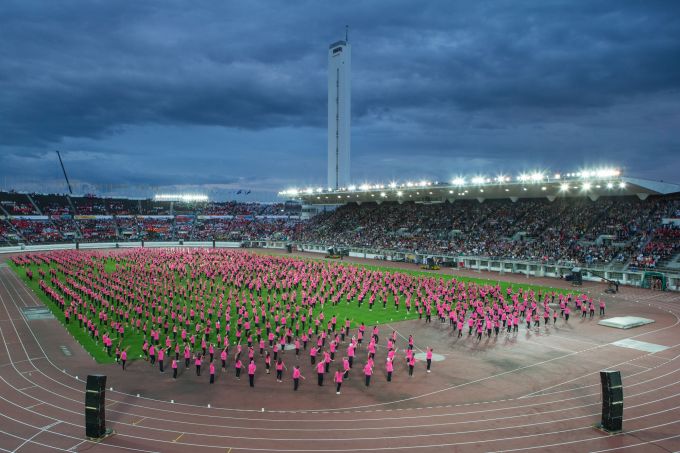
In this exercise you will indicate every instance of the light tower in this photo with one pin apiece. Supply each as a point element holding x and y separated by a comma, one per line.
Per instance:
<point>339,110</point>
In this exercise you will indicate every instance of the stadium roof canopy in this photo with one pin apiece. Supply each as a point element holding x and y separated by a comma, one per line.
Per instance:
<point>594,185</point>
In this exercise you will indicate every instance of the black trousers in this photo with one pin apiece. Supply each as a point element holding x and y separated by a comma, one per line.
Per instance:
<point>337,386</point>
<point>251,380</point>
<point>174,373</point>
<point>320,378</point>
<point>296,383</point>
<point>368,380</point>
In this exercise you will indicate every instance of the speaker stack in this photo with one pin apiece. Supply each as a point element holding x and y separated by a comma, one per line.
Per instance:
<point>612,401</point>
<point>95,417</point>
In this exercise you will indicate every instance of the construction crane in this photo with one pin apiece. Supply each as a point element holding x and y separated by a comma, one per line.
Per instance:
<point>64,170</point>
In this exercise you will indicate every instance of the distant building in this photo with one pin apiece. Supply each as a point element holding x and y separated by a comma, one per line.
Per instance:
<point>339,110</point>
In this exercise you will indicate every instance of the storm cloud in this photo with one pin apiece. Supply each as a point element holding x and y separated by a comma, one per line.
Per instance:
<point>222,96</point>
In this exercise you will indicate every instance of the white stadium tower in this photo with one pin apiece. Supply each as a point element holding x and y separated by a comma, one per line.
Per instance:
<point>339,110</point>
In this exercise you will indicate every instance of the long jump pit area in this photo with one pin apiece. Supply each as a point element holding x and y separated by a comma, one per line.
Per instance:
<point>534,390</point>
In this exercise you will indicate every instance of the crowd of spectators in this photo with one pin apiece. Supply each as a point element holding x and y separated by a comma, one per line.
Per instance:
<point>578,231</point>
<point>620,230</point>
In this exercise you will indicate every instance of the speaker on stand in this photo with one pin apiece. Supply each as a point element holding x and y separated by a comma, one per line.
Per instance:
<point>95,401</point>
<point>612,401</point>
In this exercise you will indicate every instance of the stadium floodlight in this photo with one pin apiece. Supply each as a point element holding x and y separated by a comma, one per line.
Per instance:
<point>523,177</point>
<point>393,185</point>
<point>409,184</point>
<point>458,181</point>
<point>622,185</point>
<point>478,180</point>
<point>586,186</point>
<point>400,193</point>
<point>383,194</point>
<point>422,183</point>
<point>364,187</point>
<point>352,188</point>
<point>319,190</point>
<point>537,176</point>
<point>187,198</point>
<point>309,191</point>
<point>564,187</point>
<point>558,176</point>
<point>610,185</point>
<point>502,178</point>
<point>607,173</point>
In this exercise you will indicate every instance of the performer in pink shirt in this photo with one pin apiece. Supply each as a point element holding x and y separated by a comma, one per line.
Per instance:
<point>312,354</point>
<point>280,366</point>
<point>161,358</point>
<point>223,357</point>
<point>319,372</point>
<point>389,366</point>
<point>368,371</point>
<point>338,380</point>
<point>197,362</point>
<point>428,356</point>
<point>123,358</point>
<point>237,367</point>
<point>345,367</point>
<point>187,356</point>
<point>297,375</point>
<point>212,372</point>
<point>251,373</point>
<point>174,368</point>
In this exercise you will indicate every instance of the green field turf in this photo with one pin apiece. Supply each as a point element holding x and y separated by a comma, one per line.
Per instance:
<point>133,340</point>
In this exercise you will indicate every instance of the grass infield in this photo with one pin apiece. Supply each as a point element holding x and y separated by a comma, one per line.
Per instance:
<point>357,314</point>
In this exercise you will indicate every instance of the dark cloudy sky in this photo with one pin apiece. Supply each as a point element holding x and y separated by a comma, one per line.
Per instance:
<point>216,96</point>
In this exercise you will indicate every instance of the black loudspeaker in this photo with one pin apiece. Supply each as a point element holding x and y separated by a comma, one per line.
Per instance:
<point>95,400</point>
<point>612,400</point>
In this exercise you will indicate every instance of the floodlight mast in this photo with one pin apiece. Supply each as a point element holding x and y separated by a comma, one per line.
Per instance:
<point>64,170</point>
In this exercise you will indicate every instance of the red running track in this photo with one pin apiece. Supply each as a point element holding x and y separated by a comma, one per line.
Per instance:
<point>533,391</point>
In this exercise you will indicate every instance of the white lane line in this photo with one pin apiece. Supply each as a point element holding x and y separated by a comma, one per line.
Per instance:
<point>653,441</point>
<point>42,430</point>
